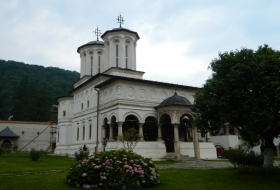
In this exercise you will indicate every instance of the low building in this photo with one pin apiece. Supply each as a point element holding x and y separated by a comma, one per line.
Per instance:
<point>25,135</point>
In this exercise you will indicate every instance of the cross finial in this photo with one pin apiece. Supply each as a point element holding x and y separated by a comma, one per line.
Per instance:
<point>97,33</point>
<point>120,20</point>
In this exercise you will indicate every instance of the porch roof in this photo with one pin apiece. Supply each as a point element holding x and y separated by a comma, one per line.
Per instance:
<point>7,132</point>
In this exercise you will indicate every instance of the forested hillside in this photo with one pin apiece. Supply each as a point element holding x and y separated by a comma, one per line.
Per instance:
<point>28,91</point>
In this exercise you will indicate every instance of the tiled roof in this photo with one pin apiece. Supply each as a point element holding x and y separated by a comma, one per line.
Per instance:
<point>7,132</point>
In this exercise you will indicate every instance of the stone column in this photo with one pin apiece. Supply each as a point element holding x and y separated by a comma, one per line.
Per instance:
<point>176,141</point>
<point>159,132</point>
<point>103,132</point>
<point>208,139</point>
<point>141,131</point>
<point>120,131</point>
<point>111,135</point>
<point>227,130</point>
<point>235,131</point>
<point>278,151</point>
<point>196,143</point>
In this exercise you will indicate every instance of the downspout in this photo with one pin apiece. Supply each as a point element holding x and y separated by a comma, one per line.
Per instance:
<point>96,147</point>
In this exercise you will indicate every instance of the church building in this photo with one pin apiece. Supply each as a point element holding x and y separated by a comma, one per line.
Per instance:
<point>111,97</point>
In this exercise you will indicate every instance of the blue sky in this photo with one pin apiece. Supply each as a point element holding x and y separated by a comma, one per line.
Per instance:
<point>178,38</point>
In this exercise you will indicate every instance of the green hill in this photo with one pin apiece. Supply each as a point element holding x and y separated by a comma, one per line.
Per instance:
<point>28,91</point>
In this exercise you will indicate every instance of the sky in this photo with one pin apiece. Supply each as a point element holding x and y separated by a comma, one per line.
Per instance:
<point>178,38</point>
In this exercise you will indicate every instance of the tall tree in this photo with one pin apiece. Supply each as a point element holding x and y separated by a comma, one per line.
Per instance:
<point>245,91</point>
<point>23,107</point>
<point>59,82</point>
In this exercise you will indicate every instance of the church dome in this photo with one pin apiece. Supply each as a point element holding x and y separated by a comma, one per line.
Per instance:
<point>120,30</point>
<point>96,42</point>
<point>175,100</point>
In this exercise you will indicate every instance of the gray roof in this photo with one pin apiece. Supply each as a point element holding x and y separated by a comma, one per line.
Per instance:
<point>175,100</point>
<point>96,42</point>
<point>7,132</point>
<point>120,29</point>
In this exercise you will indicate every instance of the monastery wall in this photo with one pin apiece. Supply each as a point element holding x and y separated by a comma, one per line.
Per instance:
<point>28,131</point>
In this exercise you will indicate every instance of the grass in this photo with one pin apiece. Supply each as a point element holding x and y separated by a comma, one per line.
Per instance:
<point>20,162</point>
<point>177,179</point>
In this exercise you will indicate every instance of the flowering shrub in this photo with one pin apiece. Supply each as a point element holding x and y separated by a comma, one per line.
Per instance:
<point>115,169</point>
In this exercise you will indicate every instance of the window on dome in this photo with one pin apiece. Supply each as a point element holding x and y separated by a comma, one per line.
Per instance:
<point>126,56</point>
<point>98,64</point>
<point>117,55</point>
<point>91,65</point>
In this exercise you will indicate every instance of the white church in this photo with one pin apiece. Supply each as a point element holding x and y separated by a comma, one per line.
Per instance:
<point>111,96</point>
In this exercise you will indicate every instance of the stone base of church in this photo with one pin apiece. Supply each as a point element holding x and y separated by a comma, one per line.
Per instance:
<point>69,150</point>
<point>155,150</point>
<point>207,150</point>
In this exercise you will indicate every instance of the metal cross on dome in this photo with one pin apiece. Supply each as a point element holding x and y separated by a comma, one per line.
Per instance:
<point>120,20</point>
<point>97,33</point>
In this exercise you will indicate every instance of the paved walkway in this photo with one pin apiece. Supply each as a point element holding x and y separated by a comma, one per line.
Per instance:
<point>200,164</point>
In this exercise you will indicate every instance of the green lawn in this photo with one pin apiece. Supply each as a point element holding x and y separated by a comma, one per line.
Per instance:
<point>171,179</point>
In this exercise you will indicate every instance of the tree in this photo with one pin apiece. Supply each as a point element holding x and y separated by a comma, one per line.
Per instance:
<point>129,139</point>
<point>245,91</point>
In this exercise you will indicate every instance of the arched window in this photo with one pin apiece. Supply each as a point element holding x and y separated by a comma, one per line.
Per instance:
<point>91,65</point>
<point>90,130</point>
<point>117,55</point>
<point>83,132</point>
<point>77,133</point>
<point>99,64</point>
<point>126,56</point>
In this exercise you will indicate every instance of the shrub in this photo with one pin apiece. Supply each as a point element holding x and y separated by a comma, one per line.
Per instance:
<point>6,150</point>
<point>81,154</point>
<point>242,159</point>
<point>115,169</point>
<point>34,154</point>
<point>1,151</point>
<point>129,139</point>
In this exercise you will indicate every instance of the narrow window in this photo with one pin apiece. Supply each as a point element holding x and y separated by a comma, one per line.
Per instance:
<point>82,106</point>
<point>64,113</point>
<point>83,132</point>
<point>57,135</point>
<point>87,103</point>
<point>91,65</point>
<point>77,133</point>
<point>126,55</point>
<point>98,64</point>
<point>89,131</point>
<point>117,55</point>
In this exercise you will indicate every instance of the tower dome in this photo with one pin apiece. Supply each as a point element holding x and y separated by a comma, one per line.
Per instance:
<point>92,57</point>
<point>120,47</point>
<point>175,100</point>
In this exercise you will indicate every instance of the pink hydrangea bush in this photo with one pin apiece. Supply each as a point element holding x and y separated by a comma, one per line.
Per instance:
<point>116,169</point>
